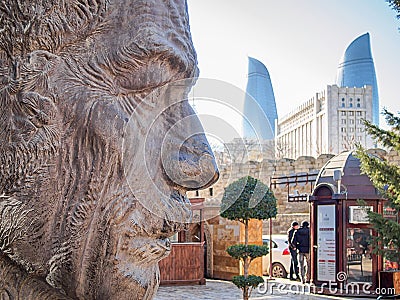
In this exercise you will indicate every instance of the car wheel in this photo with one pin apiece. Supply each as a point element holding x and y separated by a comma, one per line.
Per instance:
<point>278,271</point>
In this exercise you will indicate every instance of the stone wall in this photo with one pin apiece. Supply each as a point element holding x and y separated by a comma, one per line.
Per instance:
<point>281,223</point>
<point>224,233</point>
<point>264,170</point>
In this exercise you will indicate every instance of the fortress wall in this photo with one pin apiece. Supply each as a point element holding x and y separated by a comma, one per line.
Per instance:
<point>226,233</point>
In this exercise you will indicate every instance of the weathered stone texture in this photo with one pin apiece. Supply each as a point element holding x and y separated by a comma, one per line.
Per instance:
<point>98,144</point>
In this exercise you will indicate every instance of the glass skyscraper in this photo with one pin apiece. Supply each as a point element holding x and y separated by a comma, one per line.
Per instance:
<point>259,107</point>
<point>357,69</point>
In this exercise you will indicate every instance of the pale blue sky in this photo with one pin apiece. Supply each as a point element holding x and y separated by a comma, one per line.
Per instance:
<point>299,41</point>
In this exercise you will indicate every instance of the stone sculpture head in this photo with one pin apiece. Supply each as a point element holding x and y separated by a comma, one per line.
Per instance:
<point>98,143</point>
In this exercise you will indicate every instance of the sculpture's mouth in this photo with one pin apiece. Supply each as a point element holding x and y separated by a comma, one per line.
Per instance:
<point>143,238</point>
<point>176,214</point>
<point>179,218</point>
<point>142,250</point>
<point>154,218</point>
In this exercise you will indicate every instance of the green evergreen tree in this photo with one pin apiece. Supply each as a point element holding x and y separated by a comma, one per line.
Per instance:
<point>386,178</point>
<point>395,5</point>
<point>245,199</point>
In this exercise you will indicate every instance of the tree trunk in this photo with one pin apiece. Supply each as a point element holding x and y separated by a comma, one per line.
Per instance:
<point>246,242</point>
<point>246,260</point>
<point>245,293</point>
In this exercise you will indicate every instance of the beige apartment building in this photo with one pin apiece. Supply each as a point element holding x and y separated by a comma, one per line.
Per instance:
<point>330,122</point>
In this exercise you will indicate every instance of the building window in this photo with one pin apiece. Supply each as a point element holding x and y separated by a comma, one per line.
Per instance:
<point>351,113</point>
<point>343,113</point>
<point>358,99</point>
<point>351,121</point>
<point>351,129</point>
<point>211,191</point>
<point>197,193</point>
<point>343,121</point>
<point>342,99</point>
<point>351,105</point>
<point>343,129</point>
<point>359,113</point>
<point>351,99</point>
<point>343,104</point>
<point>358,105</point>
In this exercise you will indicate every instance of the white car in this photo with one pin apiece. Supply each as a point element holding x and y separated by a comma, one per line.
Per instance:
<point>280,256</point>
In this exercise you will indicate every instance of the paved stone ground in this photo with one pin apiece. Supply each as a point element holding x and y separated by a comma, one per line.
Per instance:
<point>224,290</point>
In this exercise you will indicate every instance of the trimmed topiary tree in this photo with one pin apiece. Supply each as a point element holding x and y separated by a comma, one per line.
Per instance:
<point>245,199</point>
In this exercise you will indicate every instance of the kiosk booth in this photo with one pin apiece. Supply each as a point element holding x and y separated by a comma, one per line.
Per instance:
<point>341,258</point>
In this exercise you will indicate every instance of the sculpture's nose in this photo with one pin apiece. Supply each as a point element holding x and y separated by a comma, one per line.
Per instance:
<point>193,165</point>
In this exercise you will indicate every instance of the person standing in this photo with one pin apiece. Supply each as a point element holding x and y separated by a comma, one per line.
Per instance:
<point>301,240</point>
<point>294,263</point>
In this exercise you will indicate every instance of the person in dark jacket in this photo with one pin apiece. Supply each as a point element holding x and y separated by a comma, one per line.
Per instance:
<point>294,263</point>
<point>301,240</point>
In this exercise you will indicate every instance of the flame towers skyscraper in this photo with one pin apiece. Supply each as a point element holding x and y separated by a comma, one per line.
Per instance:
<point>259,107</point>
<point>356,69</point>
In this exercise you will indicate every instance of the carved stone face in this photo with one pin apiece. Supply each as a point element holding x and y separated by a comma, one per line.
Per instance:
<point>98,143</point>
